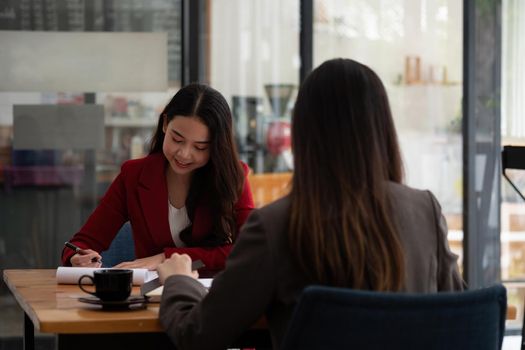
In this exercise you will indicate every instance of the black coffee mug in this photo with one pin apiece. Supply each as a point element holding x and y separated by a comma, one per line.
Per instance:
<point>110,284</point>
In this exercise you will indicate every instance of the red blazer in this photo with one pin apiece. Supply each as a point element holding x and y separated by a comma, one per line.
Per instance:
<point>139,194</point>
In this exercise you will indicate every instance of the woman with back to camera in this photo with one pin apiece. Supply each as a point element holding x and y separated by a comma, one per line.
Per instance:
<point>189,195</point>
<point>348,222</point>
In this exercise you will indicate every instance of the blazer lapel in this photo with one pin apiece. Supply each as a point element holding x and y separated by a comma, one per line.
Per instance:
<point>153,196</point>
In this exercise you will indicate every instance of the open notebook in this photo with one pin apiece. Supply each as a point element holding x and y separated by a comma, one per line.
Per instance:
<point>70,275</point>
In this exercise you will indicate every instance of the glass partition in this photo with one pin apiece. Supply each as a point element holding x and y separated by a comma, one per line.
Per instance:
<point>254,62</point>
<point>47,193</point>
<point>513,133</point>
<point>416,49</point>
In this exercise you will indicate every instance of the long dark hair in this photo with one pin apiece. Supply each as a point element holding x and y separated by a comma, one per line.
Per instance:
<point>221,180</point>
<point>345,150</point>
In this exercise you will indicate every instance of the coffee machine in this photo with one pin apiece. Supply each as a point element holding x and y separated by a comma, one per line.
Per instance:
<point>277,129</point>
<point>264,140</point>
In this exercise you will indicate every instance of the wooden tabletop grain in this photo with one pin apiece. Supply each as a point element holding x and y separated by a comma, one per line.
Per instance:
<point>54,308</point>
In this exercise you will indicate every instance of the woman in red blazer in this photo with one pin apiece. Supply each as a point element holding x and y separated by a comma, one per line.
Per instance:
<point>189,195</point>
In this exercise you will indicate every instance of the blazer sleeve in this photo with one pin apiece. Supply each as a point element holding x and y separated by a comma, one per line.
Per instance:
<point>214,257</point>
<point>238,297</point>
<point>103,224</point>
<point>448,276</point>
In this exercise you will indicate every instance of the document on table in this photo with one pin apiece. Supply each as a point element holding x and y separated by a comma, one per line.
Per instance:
<point>155,294</point>
<point>70,275</point>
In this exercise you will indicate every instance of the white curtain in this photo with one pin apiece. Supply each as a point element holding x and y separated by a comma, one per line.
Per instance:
<point>513,69</point>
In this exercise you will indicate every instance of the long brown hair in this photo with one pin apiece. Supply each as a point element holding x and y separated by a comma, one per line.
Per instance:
<point>345,151</point>
<point>221,180</point>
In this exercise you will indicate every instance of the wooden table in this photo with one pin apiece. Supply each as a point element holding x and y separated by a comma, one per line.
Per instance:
<point>54,308</point>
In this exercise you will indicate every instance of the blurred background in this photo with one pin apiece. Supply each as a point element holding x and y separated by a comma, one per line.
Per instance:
<point>82,83</point>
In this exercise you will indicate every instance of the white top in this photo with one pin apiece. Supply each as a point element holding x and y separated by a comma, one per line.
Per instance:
<point>179,220</point>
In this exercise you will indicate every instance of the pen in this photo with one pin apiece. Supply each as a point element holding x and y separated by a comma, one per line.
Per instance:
<point>78,250</point>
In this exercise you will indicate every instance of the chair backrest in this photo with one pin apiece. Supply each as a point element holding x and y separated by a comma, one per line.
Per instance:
<point>122,248</point>
<point>338,318</point>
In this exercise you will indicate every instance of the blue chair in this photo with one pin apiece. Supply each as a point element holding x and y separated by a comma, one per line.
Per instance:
<point>337,318</point>
<point>122,248</point>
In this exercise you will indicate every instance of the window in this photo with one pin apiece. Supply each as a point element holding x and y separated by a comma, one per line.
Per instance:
<point>254,62</point>
<point>513,133</point>
<point>416,49</point>
<point>46,194</point>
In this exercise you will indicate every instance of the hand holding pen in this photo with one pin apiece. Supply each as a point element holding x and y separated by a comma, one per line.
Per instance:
<point>84,257</point>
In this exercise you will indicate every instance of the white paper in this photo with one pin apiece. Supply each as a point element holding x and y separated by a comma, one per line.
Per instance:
<point>70,275</point>
<point>155,294</point>
<point>206,282</point>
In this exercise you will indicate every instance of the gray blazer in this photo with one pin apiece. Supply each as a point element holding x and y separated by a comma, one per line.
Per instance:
<point>261,279</point>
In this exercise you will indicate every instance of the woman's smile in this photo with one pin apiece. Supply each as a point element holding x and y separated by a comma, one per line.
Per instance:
<point>181,164</point>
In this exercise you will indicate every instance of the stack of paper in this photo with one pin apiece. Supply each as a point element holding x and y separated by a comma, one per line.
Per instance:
<point>70,275</point>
